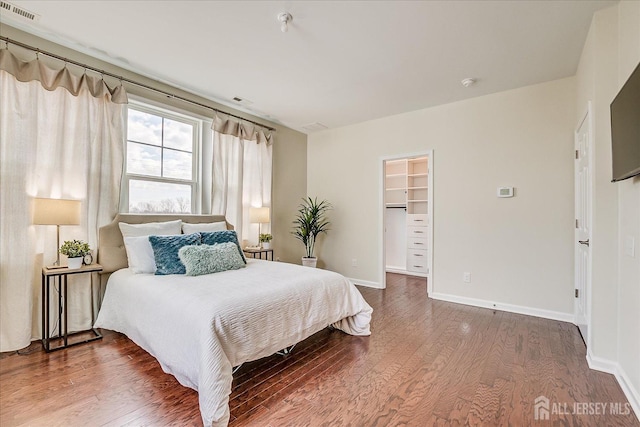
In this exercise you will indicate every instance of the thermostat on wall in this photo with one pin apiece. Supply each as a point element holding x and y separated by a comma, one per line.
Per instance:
<point>505,191</point>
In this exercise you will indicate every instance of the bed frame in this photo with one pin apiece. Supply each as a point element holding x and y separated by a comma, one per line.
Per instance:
<point>111,252</point>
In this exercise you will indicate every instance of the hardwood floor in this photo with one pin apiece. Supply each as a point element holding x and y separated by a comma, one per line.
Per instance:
<point>426,363</point>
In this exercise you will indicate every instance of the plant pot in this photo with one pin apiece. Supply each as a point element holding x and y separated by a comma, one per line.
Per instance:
<point>309,262</point>
<point>266,245</point>
<point>74,263</point>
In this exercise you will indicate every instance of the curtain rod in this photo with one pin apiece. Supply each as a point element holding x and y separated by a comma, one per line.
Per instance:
<point>124,79</point>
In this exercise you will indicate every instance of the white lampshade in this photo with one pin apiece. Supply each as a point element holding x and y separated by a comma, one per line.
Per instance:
<point>56,212</point>
<point>259,215</point>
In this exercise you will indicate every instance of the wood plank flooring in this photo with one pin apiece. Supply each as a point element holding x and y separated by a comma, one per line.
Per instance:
<point>427,363</point>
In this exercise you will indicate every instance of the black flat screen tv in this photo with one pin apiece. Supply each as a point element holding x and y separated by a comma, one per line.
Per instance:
<point>625,129</point>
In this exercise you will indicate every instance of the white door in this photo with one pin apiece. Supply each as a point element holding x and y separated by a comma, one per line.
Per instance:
<point>583,225</point>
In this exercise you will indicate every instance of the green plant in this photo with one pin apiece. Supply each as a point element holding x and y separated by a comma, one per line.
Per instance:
<point>74,248</point>
<point>265,237</point>
<point>310,221</point>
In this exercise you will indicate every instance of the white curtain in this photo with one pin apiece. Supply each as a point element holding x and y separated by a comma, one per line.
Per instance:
<point>53,144</point>
<point>242,163</point>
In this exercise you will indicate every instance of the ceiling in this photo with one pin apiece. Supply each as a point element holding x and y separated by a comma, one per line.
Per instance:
<point>341,62</point>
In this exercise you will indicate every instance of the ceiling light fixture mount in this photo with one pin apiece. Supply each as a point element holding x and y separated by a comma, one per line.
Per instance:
<point>284,18</point>
<point>468,82</point>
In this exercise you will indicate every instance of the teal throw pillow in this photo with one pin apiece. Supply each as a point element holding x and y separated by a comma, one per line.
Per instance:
<point>217,237</point>
<point>165,252</point>
<point>207,259</point>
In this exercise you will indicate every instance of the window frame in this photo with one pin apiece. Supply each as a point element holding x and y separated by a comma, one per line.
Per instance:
<point>195,182</point>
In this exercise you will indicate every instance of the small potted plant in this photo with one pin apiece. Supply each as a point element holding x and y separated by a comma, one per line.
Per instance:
<point>265,240</point>
<point>75,250</point>
<point>311,221</point>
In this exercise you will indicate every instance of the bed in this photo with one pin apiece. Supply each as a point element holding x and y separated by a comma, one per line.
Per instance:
<point>200,327</point>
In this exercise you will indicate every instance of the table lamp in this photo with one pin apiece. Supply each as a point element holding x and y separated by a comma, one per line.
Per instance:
<point>260,216</point>
<point>56,212</point>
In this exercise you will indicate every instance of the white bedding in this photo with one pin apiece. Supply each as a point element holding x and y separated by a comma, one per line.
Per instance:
<point>200,327</point>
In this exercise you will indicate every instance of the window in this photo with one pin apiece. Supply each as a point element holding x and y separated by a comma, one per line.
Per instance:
<point>161,161</point>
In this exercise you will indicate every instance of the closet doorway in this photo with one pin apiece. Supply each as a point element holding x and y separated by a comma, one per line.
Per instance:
<point>408,216</point>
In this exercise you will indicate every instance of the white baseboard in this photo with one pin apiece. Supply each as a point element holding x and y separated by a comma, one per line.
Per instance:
<point>614,368</point>
<point>396,270</point>
<point>519,309</point>
<point>366,283</point>
<point>629,391</point>
<point>600,364</point>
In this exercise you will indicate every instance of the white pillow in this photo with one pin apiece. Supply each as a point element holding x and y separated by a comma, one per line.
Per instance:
<point>151,228</point>
<point>203,227</point>
<point>140,254</point>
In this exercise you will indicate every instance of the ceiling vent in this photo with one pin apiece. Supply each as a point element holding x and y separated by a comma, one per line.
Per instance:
<point>11,11</point>
<point>241,101</point>
<point>312,127</point>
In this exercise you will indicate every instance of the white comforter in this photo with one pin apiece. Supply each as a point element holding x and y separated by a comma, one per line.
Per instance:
<point>200,327</point>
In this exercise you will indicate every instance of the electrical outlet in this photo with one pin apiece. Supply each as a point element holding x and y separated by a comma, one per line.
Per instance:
<point>630,246</point>
<point>354,262</point>
<point>466,277</point>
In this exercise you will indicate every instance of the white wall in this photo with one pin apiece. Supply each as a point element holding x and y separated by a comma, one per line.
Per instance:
<point>519,251</point>
<point>396,243</point>
<point>629,218</point>
<point>611,53</point>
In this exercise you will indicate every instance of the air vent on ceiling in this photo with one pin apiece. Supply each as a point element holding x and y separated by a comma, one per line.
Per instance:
<point>10,10</point>
<point>312,127</point>
<point>241,101</point>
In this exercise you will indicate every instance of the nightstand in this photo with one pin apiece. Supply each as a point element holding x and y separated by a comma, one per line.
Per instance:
<point>259,252</point>
<point>61,274</point>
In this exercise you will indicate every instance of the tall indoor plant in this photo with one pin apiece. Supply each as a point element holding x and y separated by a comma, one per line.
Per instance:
<point>311,220</point>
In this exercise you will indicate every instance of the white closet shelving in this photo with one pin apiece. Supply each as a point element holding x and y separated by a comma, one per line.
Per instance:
<point>407,229</point>
<point>396,184</point>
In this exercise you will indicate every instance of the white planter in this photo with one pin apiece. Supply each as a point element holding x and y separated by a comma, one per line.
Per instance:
<point>74,263</point>
<point>309,262</point>
<point>266,245</point>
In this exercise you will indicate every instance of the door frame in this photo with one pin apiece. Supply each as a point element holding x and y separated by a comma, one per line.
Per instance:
<point>382,256</point>
<point>586,116</point>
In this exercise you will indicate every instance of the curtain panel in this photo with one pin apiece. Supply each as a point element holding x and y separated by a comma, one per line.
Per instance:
<point>55,142</point>
<point>242,166</point>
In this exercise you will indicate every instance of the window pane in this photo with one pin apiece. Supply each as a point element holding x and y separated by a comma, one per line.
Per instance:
<point>154,197</point>
<point>143,159</point>
<point>177,164</point>
<point>178,135</point>
<point>144,127</point>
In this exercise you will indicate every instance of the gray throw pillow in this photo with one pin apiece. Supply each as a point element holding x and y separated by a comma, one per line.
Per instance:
<point>216,237</point>
<point>207,259</point>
